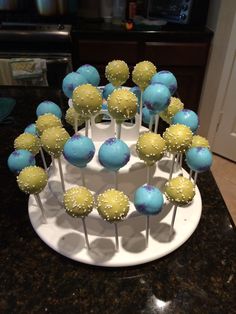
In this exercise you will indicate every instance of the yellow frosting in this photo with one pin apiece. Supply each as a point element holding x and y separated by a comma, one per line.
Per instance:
<point>180,191</point>
<point>178,138</point>
<point>32,180</point>
<point>142,73</point>
<point>46,121</point>
<point>53,140</point>
<point>117,72</point>
<point>70,117</point>
<point>175,106</point>
<point>200,141</point>
<point>27,141</point>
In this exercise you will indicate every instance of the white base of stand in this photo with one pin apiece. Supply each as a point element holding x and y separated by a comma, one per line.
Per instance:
<point>65,234</point>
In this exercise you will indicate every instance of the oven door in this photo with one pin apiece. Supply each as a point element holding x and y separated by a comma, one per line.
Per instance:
<point>37,69</point>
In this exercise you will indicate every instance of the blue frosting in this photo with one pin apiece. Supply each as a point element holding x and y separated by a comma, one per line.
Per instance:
<point>71,81</point>
<point>199,159</point>
<point>79,150</point>
<point>188,118</point>
<point>108,89</point>
<point>31,128</point>
<point>19,159</point>
<point>148,200</point>
<point>167,78</point>
<point>156,97</point>
<point>146,116</point>
<point>48,106</point>
<point>90,73</point>
<point>113,154</point>
<point>137,92</point>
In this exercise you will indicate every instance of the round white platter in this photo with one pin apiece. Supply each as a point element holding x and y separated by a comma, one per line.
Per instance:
<point>65,235</point>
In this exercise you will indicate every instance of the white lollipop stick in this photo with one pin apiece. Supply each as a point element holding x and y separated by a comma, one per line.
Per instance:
<point>195,177</point>
<point>173,221</point>
<point>82,177</point>
<point>86,127</point>
<point>116,179</point>
<point>116,237</point>
<point>190,174</point>
<point>172,166</point>
<point>43,159</point>
<point>85,233</point>
<point>156,123</point>
<point>148,174</point>
<point>181,160</point>
<point>151,123</point>
<point>118,130</point>
<point>76,122</point>
<point>61,175</point>
<point>40,205</point>
<point>147,230</point>
<point>141,110</point>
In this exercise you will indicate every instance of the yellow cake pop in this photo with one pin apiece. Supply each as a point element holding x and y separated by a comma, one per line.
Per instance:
<point>180,191</point>
<point>32,180</point>
<point>53,140</point>
<point>29,142</point>
<point>178,138</point>
<point>87,100</point>
<point>70,117</point>
<point>142,73</point>
<point>79,201</point>
<point>117,72</point>
<point>200,141</point>
<point>150,147</point>
<point>113,205</point>
<point>122,104</point>
<point>46,121</point>
<point>175,106</point>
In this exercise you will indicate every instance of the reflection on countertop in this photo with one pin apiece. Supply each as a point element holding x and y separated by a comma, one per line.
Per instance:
<point>199,277</point>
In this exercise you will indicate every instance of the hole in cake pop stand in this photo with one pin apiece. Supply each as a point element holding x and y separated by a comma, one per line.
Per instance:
<point>101,235</point>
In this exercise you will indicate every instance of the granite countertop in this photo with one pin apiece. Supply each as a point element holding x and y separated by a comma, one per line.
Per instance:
<point>199,277</point>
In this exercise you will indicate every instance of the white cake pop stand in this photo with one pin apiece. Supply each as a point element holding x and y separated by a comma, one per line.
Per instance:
<point>64,234</point>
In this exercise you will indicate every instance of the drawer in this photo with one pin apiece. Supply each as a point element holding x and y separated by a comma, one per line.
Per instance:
<point>176,54</point>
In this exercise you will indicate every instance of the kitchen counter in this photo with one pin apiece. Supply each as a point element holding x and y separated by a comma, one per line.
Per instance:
<point>199,277</point>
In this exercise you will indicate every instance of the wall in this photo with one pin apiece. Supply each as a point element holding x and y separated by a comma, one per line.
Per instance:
<point>220,20</point>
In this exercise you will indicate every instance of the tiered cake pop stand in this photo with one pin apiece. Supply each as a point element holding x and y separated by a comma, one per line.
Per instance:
<point>65,234</point>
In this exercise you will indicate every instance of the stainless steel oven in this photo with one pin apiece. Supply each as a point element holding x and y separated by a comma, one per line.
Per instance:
<point>34,54</point>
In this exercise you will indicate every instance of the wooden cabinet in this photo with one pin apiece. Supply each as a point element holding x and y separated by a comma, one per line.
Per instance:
<point>186,60</point>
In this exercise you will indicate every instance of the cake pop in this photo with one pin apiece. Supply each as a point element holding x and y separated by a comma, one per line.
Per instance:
<point>46,121</point>
<point>32,180</point>
<point>148,200</point>
<point>90,73</point>
<point>27,141</point>
<point>117,72</point>
<point>178,139</point>
<point>174,106</point>
<point>48,107</point>
<point>19,159</point>
<point>71,81</point>
<point>200,141</point>
<point>180,191</point>
<point>108,89</point>
<point>79,151</point>
<point>113,206</point>
<point>122,104</point>
<point>31,128</point>
<point>167,78</point>
<point>142,74</point>
<point>156,97</point>
<point>87,100</point>
<point>186,117</point>
<point>53,141</point>
<point>73,118</point>
<point>199,159</point>
<point>79,202</point>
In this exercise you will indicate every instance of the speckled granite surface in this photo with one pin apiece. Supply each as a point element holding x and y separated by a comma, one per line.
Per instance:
<point>199,277</point>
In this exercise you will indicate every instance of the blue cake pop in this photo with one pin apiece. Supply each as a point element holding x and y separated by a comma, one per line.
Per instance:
<point>147,114</point>
<point>90,73</point>
<point>114,154</point>
<point>137,91</point>
<point>19,159</point>
<point>199,159</point>
<point>71,81</point>
<point>148,200</point>
<point>48,106</point>
<point>31,128</point>
<point>108,89</point>
<point>186,117</point>
<point>156,97</point>
<point>167,78</point>
<point>79,150</point>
